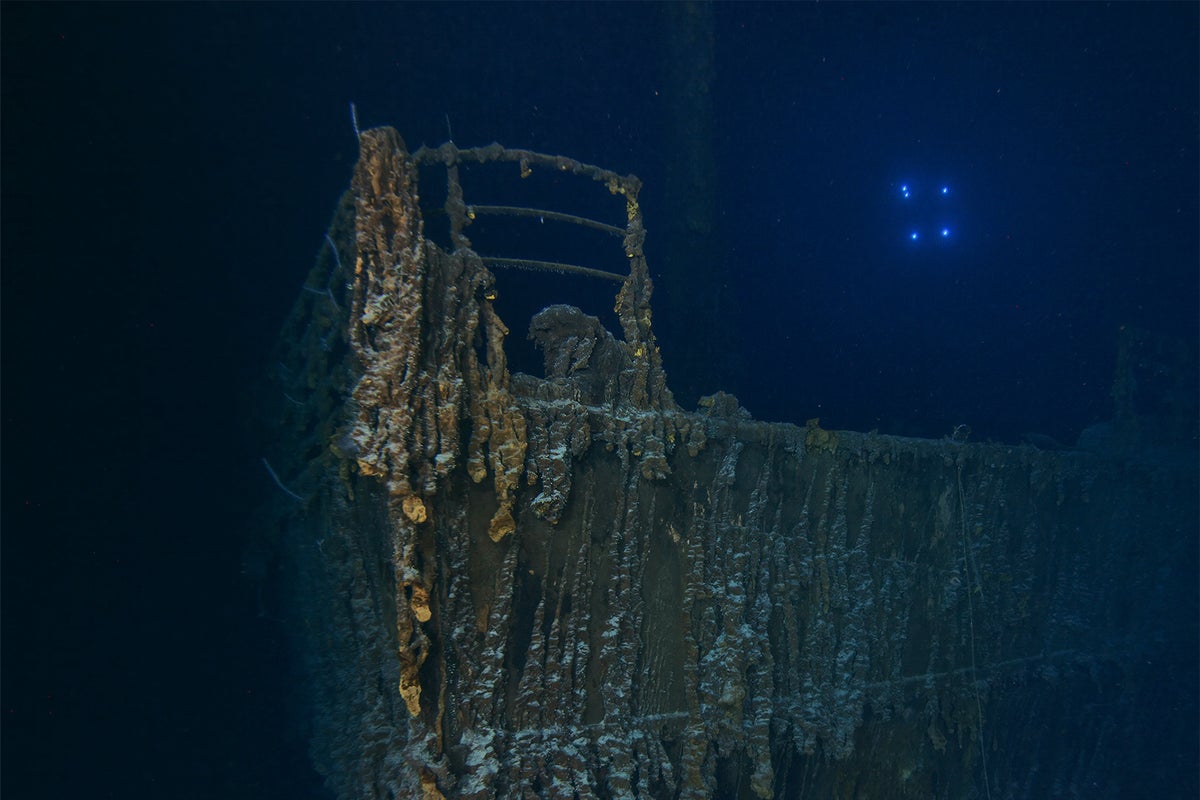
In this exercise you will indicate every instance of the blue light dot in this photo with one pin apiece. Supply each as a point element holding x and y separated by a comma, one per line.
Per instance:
<point>904,190</point>
<point>945,190</point>
<point>945,233</point>
<point>913,236</point>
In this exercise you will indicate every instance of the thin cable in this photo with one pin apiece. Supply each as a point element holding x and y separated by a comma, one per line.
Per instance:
<point>279,483</point>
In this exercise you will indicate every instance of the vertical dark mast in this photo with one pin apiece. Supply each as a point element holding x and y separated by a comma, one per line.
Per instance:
<point>695,301</point>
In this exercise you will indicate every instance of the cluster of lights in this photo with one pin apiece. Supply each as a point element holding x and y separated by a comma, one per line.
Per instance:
<point>906,192</point>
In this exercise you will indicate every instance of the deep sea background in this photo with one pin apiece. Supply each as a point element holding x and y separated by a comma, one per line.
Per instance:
<point>168,172</point>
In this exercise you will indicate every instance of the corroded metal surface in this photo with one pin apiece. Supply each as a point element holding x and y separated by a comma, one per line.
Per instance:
<point>569,586</point>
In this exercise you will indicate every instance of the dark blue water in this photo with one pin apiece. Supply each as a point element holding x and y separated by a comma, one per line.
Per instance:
<point>168,173</point>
